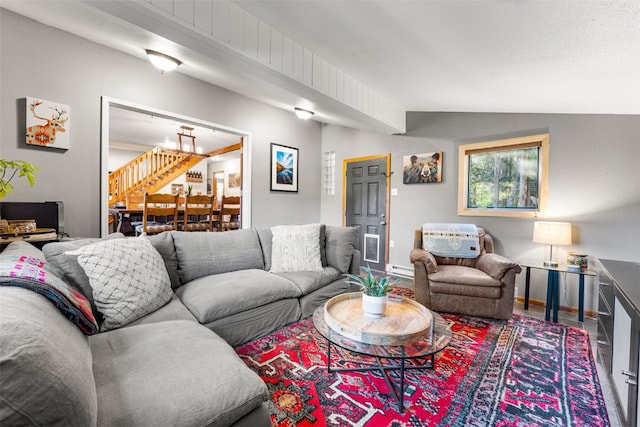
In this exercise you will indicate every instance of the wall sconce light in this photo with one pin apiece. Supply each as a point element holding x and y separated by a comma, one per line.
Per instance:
<point>161,61</point>
<point>551,233</point>
<point>302,113</point>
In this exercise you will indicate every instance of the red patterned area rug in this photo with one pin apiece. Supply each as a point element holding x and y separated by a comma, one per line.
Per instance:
<point>522,372</point>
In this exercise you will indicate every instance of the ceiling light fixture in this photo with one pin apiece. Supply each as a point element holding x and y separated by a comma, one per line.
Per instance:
<point>162,62</point>
<point>302,113</point>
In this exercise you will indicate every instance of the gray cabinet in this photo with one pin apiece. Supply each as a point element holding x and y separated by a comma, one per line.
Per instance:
<point>619,333</point>
<point>605,320</point>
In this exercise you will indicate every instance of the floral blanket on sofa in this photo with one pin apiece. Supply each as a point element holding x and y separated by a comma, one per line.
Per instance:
<point>35,274</point>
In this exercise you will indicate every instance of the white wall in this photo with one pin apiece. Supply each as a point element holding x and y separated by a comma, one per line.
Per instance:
<point>119,157</point>
<point>227,166</point>
<point>78,73</point>
<point>196,187</point>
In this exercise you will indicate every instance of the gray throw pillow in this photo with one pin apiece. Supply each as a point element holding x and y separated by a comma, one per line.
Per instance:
<point>163,243</point>
<point>265,236</point>
<point>128,278</point>
<point>340,244</point>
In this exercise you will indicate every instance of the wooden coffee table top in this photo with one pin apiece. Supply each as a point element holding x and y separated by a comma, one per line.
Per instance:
<point>404,320</point>
<point>432,340</point>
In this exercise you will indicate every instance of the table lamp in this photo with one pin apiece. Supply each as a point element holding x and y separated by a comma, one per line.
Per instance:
<point>551,233</point>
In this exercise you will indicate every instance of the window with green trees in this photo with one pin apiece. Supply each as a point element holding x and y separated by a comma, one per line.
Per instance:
<point>504,178</point>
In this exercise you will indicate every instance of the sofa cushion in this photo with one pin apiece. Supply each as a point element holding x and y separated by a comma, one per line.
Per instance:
<point>340,244</point>
<point>212,297</point>
<point>463,276</point>
<point>73,273</point>
<point>45,364</point>
<point>245,326</point>
<point>295,248</point>
<point>317,298</point>
<point>171,373</point>
<point>173,310</point>
<point>309,281</point>
<point>202,254</point>
<point>128,278</point>
<point>455,291</point>
<point>23,248</point>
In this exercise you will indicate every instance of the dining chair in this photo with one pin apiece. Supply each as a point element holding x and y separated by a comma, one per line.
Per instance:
<point>230,213</point>
<point>160,213</point>
<point>199,212</point>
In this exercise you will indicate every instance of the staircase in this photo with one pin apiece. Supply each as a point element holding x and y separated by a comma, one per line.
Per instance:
<point>148,173</point>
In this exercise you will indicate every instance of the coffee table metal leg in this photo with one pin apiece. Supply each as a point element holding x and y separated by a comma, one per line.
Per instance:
<point>397,392</point>
<point>402,383</point>
<point>392,388</point>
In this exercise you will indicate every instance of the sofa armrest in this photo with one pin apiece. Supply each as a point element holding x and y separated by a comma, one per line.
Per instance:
<point>426,258</point>
<point>496,265</point>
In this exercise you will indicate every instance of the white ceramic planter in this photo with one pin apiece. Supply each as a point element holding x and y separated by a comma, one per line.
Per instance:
<point>374,306</point>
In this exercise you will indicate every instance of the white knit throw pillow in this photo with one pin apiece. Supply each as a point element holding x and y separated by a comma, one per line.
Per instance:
<point>295,248</point>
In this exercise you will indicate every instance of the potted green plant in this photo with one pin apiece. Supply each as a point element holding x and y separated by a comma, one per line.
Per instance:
<point>8,171</point>
<point>374,292</point>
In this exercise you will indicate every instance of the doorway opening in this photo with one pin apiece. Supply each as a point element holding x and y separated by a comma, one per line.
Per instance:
<point>128,128</point>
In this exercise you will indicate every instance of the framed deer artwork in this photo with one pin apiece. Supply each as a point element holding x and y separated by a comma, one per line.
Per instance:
<point>47,124</point>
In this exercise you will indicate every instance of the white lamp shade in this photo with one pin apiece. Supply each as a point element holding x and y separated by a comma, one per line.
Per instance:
<point>302,113</point>
<point>552,233</point>
<point>162,62</point>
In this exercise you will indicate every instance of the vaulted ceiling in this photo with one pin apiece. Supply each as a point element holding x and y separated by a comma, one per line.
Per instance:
<point>364,64</point>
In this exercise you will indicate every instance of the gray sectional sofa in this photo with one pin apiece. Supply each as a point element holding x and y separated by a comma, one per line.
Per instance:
<point>175,365</point>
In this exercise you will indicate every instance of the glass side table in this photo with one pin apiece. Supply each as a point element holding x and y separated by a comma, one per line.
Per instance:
<point>553,286</point>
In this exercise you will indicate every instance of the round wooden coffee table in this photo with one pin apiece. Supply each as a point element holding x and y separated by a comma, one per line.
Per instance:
<point>420,348</point>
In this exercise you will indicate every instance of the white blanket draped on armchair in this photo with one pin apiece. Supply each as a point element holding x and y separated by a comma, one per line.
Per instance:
<point>451,240</point>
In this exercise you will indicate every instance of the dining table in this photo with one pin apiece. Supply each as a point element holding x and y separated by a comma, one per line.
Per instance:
<point>126,217</point>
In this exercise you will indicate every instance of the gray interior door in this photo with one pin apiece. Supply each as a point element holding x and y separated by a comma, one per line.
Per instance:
<point>366,208</point>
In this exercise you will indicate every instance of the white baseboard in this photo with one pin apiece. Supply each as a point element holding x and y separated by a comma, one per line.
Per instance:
<point>399,270</point>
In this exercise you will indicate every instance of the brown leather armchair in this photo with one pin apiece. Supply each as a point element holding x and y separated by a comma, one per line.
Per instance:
<point>482,286</point>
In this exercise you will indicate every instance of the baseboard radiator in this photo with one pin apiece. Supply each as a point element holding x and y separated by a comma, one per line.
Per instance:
<point>400,271</point>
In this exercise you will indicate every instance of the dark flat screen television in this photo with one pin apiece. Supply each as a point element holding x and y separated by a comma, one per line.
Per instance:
<point>46,214</point>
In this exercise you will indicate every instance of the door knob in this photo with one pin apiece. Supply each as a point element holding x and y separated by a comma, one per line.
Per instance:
<point>383,223</point>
